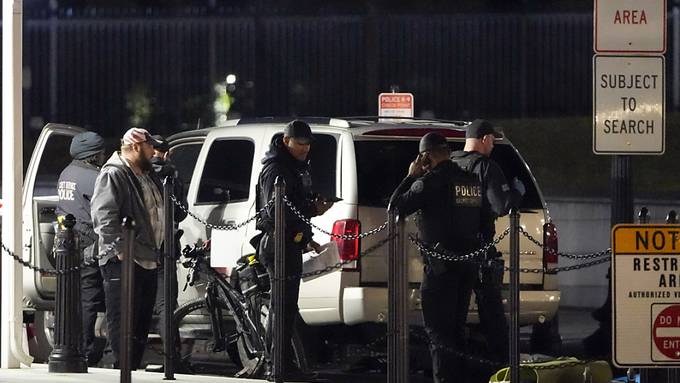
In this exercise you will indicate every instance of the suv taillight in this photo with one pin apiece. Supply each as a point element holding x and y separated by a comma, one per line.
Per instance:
<point>549,243</point>
<point>348,249</point>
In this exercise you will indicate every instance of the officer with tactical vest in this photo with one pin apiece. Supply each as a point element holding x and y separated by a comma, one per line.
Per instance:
<point>449,201</point>
<point>498,198</point>
<point>75,189</point>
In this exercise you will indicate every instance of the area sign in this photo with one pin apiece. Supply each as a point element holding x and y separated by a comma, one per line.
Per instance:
<point>629,100</point>
<point>630,26</point>
<point>646,295</point>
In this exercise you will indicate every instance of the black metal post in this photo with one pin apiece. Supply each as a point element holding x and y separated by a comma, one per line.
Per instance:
<point>397,285</point>
<point>672,217</point>
<point>127,280</point>
<point>621,190</point>
<point>514,295</point>
<point>278,369</point>
<point>169,268</point>
<point>643,215</point>
<point>67,354</point>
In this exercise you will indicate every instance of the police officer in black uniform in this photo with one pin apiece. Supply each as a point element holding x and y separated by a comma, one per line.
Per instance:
<point>449,201</point>
<point>288,158</point>
<point>75,188</point>
<point>498,198</point>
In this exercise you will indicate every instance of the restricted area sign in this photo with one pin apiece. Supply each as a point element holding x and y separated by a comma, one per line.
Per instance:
<point>629,100</point>
<point>630,26</point>
<point>395,105</point>
<point>646,295</point>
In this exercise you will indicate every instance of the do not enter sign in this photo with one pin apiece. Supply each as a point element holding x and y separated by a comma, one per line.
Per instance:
<point>666,332</point>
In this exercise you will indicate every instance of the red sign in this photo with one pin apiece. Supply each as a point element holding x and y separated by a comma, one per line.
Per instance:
<point>395,105</point>
<point>666,332</point>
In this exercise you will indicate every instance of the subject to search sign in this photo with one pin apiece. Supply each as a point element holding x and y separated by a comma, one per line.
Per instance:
<point>646,293</point>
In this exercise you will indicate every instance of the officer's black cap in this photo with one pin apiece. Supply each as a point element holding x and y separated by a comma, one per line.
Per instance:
<point>480,128</point>
<point>86,144</point>
<point>432,140</point>
<point>300,131</point>
<point>160,143</point>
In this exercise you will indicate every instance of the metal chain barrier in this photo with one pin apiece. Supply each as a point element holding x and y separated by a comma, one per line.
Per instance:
<point>450,257</point>
<point>33,267</point>
<point>346,237</point>
<point>221,227</point>
<point>565,255</point>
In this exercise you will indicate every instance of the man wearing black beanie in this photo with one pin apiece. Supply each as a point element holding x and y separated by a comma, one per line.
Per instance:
<point>75,188</point>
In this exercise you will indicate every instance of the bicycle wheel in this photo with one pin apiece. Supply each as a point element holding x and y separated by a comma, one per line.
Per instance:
<point>251,362</point>
<point>198,345</point>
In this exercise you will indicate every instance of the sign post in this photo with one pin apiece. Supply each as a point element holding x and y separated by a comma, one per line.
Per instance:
<point>646,292</point>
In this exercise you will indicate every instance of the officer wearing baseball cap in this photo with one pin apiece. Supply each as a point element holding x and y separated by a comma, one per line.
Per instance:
<point>498,196</point>
<point>75,189</point>
<point>449,201</point>
<point>288,158</point>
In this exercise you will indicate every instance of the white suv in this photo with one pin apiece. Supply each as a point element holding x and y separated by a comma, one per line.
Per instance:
<point>358,160</point>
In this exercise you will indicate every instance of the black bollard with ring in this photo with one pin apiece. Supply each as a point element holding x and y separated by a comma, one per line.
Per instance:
<point>643,215</point>
<point>672,217</point>
<point>169,268</point>
<point>127,280</point>
<point>278,369</point>
<point>67,354</point>
<point>397,288</point>
<point>514,295</point>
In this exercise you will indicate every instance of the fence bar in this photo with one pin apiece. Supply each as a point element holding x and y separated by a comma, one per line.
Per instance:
<point>278,369</point>
<point>169,268</point>
<point>397,289</point>
<point>128,288</point>
<point>514,295</point>
<point>67,354</point>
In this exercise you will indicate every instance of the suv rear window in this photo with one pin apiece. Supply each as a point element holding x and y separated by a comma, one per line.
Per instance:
<point>382,164</point>
<point>227,171</point>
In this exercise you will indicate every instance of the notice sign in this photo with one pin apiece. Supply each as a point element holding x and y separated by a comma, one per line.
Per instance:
<point>646,295</point>
<point>395,105</point>
<point>630,26</point>
<point>628,105</point>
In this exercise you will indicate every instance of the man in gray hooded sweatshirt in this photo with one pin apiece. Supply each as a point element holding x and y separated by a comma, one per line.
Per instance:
<point>126,187</point>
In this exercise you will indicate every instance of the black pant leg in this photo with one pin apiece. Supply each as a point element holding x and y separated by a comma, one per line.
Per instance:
<point>159,306</point>
<point>492,319</point>
<point>93,301</point>
<point>144,297</point>
<point>111,272</point>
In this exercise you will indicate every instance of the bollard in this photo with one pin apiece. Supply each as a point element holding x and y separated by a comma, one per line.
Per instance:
<point>67,354</point>
<point>397,285</point>
<point>169,268</point>
<point>672,217</point>
<point>127,280</point>
<point>643,215</point>
<point>514,295</point>
<point>630,376</point>
<point>278,369</point>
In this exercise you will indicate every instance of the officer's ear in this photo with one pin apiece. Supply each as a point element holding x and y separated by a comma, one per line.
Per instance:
<point>286,140</point>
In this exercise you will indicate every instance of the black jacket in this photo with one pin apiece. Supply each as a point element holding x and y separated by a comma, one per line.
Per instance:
<point>278,162</point>
<point>75,189</point>
<point>499,197</point>
<point>449,201</point>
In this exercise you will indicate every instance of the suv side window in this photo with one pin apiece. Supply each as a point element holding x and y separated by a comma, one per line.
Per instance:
<point>323,162</point>
<point>227,171</point>
<point>55,158</point>
<point>185,157</point>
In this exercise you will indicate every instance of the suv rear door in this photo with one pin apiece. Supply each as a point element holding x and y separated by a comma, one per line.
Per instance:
<point>50,156</point>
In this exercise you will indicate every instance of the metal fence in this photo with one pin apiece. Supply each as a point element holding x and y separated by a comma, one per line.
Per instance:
<point>83,71</point>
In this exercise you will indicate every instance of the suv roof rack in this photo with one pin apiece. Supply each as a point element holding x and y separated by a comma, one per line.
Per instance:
<point>409,120</point>
<point>284,120</point>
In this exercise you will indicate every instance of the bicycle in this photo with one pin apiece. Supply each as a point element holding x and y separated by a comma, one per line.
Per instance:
<point>237,310</point>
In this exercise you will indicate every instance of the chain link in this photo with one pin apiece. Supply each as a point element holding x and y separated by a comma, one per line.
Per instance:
<point>450,257</point>
<point>33,267</point>
<point>346,237</point>
<point>221,227</point>
<point>596,255</point>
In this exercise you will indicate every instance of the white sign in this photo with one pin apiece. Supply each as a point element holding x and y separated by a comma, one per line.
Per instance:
<point>630,26</point>
<point>646,295</point>
<point>628,105</point>
<point>395,105</point>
